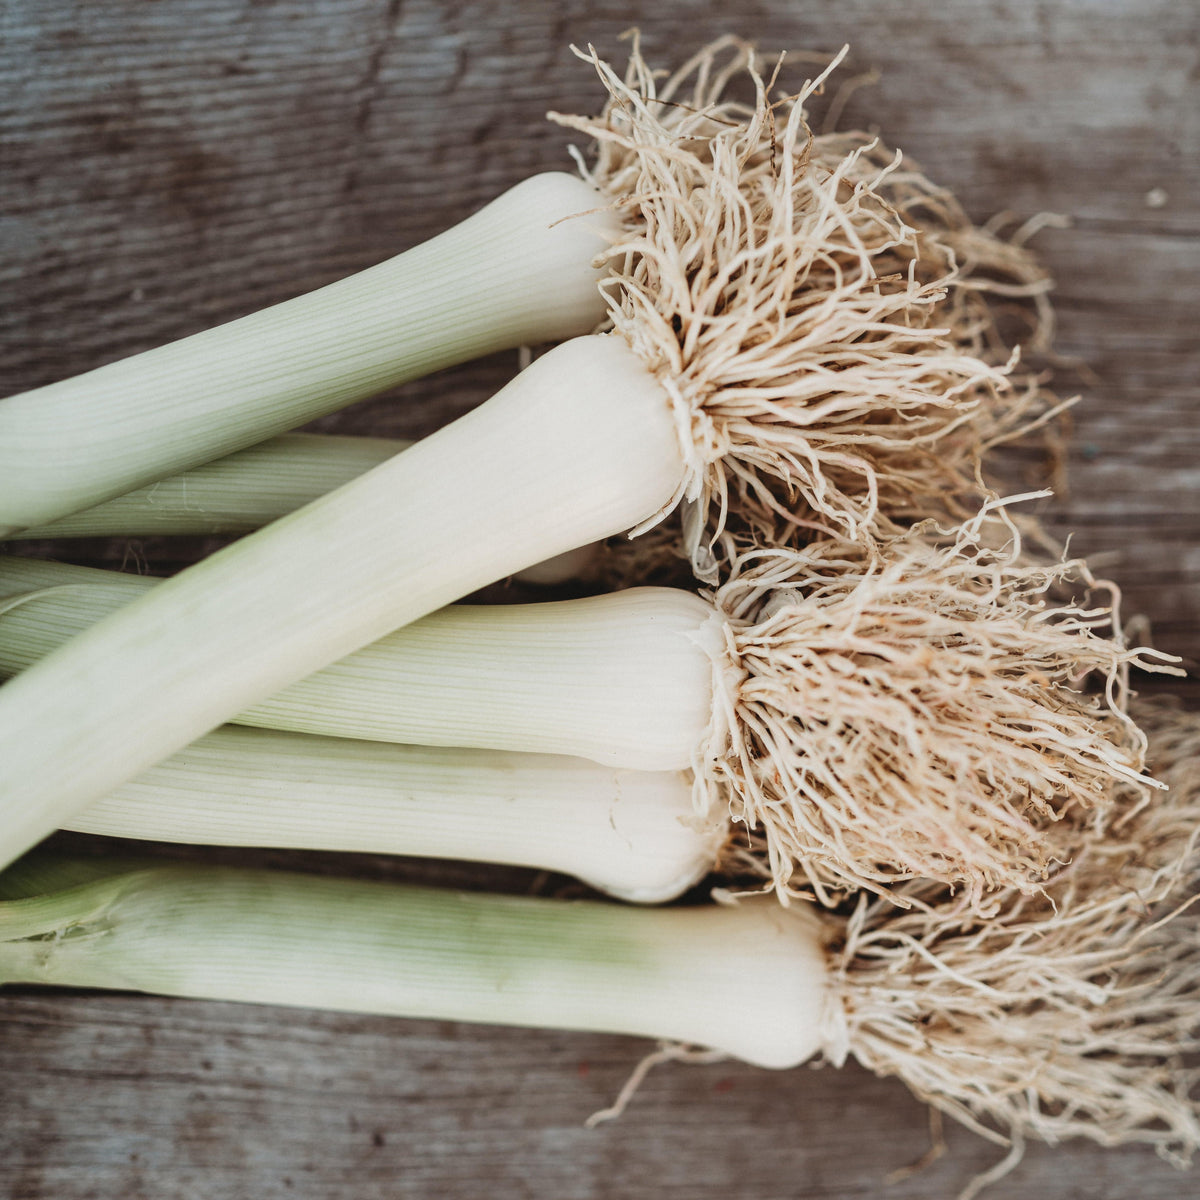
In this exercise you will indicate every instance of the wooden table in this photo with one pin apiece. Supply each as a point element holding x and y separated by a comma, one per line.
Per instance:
<point>169,166</point>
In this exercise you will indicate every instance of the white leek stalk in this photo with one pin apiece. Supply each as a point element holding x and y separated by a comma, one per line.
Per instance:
<point>632,834</point>
<point>748,980</point>
<point>579,446</point>
<point>625,679</point>
<point>518,271</point>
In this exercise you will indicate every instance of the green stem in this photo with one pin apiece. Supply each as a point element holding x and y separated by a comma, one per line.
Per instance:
<point>748,980</point>
<point>234,494</point>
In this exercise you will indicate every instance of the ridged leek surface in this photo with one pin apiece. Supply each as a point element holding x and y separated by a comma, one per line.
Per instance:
<point>748,980</point>
<point>624,679</point>
<point>518,271</point>
<point>632,834</point>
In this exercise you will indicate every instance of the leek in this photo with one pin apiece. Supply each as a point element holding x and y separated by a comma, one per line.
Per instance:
<point>266,936</point>
<point>518,271</point>
<point>234,494</point>
<point>631,834</point>
<point>624,679</point>
<point>246,490</point>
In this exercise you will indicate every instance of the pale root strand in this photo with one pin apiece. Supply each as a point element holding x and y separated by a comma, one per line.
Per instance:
<point>814,307</point>
<point>1067,1013</point>
<point>941,711</point>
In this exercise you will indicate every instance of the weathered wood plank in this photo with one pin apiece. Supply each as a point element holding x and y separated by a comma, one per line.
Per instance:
<point>165,167</point>
<point>150,1097</point>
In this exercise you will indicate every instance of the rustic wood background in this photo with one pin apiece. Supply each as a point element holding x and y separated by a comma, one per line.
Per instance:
<point>170,165</point>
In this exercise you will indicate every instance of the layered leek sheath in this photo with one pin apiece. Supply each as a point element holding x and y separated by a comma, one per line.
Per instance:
<point>632,834</point>
<point>519,271</point>
<point>750,980</point>
<point>237,493</point>
<point>625,679</point>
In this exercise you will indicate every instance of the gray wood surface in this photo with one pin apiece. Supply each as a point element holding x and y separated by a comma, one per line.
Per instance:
<point>167,166</point>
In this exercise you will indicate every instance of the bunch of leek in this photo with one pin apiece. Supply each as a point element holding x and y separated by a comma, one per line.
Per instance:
<point>773,348</point>
<point>892,708</point>
<point>916,717</point>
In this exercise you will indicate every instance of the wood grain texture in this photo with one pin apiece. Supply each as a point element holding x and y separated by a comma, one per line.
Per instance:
<point>166,166</point>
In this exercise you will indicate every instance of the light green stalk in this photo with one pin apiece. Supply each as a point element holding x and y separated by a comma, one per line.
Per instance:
<point>234,494</point>
<point>625,679</point>
<point>251,488</point>
<point>518,271</point>
<point>632,834</point>
<point>749,980</point>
